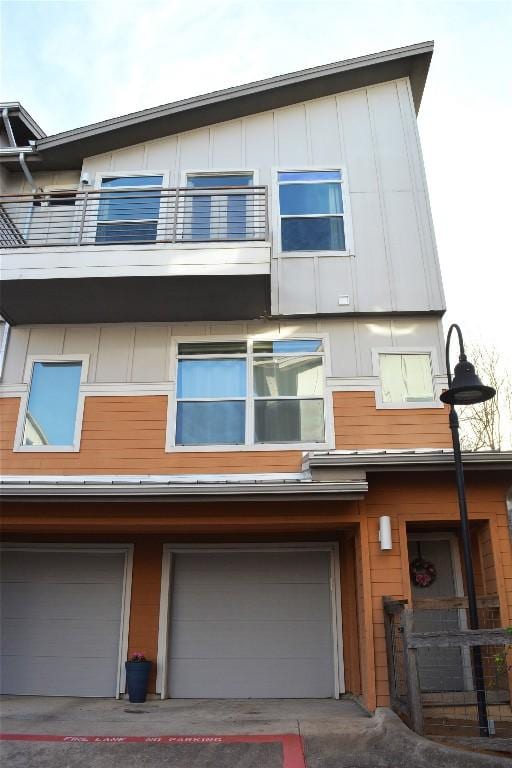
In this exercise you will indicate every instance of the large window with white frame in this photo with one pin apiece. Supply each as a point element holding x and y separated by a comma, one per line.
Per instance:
<point>311,210</point>
<point>406,377</point>
<point>250,393</point>
<point>50,418</point>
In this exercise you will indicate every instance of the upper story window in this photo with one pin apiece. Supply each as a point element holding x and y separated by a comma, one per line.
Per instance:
<point>56,197</point>
<point>406,378</point>
<point>245,393</point>
<point>51,414</point>
<point>221,216</point>
<point>311,211</point>
<point>62,197</point>
<point>129,216</point>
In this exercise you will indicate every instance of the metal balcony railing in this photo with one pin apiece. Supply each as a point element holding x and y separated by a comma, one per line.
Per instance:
<point>134,216</point>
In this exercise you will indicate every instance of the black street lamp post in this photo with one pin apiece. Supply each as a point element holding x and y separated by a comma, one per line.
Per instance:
<point>466,389</point>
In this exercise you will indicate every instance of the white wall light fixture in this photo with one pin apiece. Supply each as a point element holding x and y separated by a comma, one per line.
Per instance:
<point>386,542</point>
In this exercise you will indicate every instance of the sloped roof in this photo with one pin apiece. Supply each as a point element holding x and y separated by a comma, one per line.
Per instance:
<point>24,126</point>
<point>67,149</point>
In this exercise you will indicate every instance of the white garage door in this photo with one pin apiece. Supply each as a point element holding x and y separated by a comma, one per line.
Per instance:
<point>61,617</point>
<point>251,625</point>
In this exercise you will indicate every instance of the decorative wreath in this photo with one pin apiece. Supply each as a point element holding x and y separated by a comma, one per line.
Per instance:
<point>423,572</point>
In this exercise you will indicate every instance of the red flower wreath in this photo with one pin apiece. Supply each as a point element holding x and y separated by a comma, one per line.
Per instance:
<point>423,572</point>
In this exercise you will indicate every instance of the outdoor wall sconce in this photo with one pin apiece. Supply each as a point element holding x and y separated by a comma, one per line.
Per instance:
<point>386,541</point>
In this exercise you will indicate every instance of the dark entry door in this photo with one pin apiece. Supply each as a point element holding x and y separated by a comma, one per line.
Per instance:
<point>440,669</point>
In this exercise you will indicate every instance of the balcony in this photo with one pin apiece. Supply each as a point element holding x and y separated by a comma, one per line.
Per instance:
<point>174,254</point>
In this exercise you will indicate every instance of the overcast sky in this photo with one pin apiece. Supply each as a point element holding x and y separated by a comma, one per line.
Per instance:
<point>75,62</point>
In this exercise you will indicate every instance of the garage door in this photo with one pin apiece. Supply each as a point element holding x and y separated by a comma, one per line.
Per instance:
<point>251,625</point>
<point>61,618</point>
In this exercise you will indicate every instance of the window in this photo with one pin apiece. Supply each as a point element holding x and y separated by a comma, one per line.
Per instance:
<point>58,197</point>
<point>406,378</point>
<point>311,211</point>
<point>211,392</point>
<point>288,392</point>
<point>128,216</point>
<point>218,216</point>
<point>51,413</point>
<point>244,393</point>
<point>55,217</point>
<point>61,198</point>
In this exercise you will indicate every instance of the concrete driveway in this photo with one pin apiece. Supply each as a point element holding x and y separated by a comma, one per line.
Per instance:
<point>103,733</point>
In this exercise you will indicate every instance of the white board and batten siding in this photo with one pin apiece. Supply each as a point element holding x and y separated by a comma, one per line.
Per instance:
<point>144,354</point>
<point>370,133</point>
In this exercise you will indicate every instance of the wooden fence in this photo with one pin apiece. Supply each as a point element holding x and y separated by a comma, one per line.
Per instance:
<point>403,645</point>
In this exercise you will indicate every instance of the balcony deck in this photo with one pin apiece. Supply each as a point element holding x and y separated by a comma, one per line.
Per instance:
<point>147,255</point>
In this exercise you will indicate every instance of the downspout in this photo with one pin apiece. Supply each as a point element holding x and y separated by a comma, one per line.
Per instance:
<point>21,156</point>
<point>8,127</point>
<point>28,175</point>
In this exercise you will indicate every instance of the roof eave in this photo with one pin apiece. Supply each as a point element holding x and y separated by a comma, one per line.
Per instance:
<point>38,489</point>
<point>18,111</point>
<point>397,461</point>
<point>68,148</point>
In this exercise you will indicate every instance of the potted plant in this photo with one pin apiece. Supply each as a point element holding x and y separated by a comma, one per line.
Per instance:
<point>137,676</point>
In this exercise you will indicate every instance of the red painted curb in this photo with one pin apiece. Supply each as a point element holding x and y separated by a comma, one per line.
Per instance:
<point>293,754</point>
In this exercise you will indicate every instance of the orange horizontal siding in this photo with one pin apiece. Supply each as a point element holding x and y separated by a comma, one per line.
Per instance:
<point>126,435</point>
<point>367,572</point>
<point>411,498</point>
<point>359,424</point>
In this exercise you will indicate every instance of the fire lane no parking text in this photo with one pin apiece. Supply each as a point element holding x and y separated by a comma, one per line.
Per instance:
<point>293,752</point>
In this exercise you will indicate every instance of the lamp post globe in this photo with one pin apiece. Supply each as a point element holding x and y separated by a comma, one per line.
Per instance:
<point>466,387</point>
